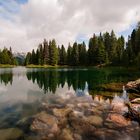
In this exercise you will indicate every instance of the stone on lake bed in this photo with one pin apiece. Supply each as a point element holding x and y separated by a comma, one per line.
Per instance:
<point>118,119</point>
<point>133,86</point>
<point>95,120</point>
<point>45,123</point>
<point>66,134</point>
<point>61,112</point>
<point>11,134</point>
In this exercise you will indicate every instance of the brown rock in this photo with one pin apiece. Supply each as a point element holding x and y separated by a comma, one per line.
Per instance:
<point>118,119</point>
<point>61,112</point>
<point>45,123</point>
<point>95,120</point>
<point>66,135</point>
<point>79,123</point>
<point>133,86</point>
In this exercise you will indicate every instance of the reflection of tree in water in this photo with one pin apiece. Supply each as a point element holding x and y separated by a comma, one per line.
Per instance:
<point>51,79</point>
<point>6,78</point>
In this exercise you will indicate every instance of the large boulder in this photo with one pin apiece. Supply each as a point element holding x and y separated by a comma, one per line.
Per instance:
<point>133,86</point>
<point>118,120</point>
<point>45,124</point>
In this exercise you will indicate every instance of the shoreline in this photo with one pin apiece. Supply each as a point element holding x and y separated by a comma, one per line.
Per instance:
<point>7,66</point>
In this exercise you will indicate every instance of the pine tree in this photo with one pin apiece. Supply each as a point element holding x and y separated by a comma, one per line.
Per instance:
<point>46,52</point>
<point>69,55</point>
<point>53,53</point>
<point>82,54</point>
<point>28,59</point>
<point>75,54</point>
<point>33,57</point>
<point>92,51</point>
<point>101,55</point>
<point>63,56</point>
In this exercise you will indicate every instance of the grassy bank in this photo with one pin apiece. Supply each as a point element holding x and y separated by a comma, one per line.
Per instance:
<point>67,66</point>
<point>46,66</point>
<point>7,66</point>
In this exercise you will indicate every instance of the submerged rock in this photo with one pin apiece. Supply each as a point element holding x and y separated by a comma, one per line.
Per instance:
<point>133,86</point>
<point>118,119</point>
<point>61,112</point>
<point>11,134</point>
<point>45,123</point>
<point>66,134</point>
<point>81,119</point>
<point>112,87</point>
<point>95,120</point>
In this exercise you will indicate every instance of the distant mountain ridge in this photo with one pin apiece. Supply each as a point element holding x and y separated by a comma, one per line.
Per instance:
<point>20,57</point>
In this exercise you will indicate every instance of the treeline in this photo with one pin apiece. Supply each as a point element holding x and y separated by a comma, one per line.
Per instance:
<point>6,57</point>
<point>104,48</point>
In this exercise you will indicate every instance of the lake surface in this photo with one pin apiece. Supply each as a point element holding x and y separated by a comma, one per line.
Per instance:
<point>22,89</point>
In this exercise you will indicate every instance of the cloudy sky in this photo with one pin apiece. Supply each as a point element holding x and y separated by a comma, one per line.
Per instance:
<point>25,23</point>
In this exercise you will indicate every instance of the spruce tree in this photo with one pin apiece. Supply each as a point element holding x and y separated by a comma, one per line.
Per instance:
<point>75,54</point>
<point>53,53</point>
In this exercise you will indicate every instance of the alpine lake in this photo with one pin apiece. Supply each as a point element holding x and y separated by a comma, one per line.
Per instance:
<point>64,103</point>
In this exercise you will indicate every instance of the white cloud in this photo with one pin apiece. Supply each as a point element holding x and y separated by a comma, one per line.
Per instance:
<point>63,20</point>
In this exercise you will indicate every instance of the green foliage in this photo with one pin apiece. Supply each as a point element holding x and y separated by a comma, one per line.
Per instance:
<point>69,55</point>
<point>62,55</point>
<point>75,54</point>
<point>53,53</point>
<point>6,57</point>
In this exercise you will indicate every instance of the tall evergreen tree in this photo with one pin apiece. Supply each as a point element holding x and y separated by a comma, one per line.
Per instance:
<point>101,55</point>
<point>53,53</point>
<point>82,54</point>
<point>69,55</point>
<point>46,52</point>
<point>92,51</point>
<point>63,55</point>
<point>75,54</point>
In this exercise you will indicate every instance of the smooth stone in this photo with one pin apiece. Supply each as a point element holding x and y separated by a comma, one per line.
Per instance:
<point>118,119</point>
<point>45,123</point>
<point>61,112</point>
<point>83,105</point>
<point>77,136</point>
<point>79,124</point>
<point>95,111</point>
<point>95,120</point>
<point>66,135</point>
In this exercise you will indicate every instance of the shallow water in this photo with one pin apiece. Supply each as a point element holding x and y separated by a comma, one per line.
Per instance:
<point>22,90</point>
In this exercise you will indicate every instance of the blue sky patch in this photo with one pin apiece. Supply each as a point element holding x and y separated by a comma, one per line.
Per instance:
<point>21,1</point>
<point>128,31</point>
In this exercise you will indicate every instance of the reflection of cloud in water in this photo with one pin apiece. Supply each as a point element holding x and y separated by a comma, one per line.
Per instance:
<point>18,92</point>
<point>65,92</point>
<point>2,89</point>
